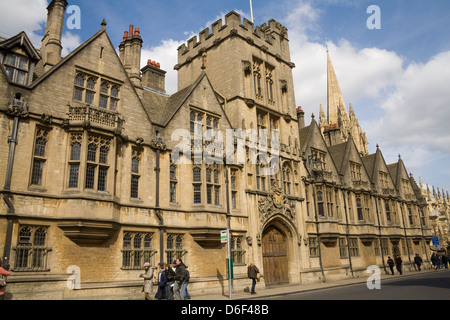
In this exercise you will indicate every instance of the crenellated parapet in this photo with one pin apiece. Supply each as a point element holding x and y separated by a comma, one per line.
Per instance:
<point>270,38</point>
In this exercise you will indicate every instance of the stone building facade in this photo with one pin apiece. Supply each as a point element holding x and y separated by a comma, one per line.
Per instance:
<point>105,171</point>
<point>438,206</point>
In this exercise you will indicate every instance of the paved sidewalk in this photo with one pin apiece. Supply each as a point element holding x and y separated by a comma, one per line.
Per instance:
<point>289,289</point>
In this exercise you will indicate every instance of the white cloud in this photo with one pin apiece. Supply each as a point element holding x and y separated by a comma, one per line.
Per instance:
<point>30,16</point>
<point>69,42</point>
<point>363,75</point>
<point>23,15</point>
<point>417,111</point>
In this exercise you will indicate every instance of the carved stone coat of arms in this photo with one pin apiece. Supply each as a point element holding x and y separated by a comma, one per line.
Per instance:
<point>274,203</point>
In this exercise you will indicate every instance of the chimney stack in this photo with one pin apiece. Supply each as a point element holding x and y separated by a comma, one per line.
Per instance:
<point>301,118</point>
<point>51,43</point>
<point>130,54</point>
<point>153,77</point>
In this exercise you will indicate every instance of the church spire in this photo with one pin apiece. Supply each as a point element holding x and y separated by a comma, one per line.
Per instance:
<point>339,125</point>
<point>336,105</point>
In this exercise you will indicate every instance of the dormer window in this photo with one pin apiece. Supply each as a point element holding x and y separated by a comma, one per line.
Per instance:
<point>18,58</point>
<point>16,67</point>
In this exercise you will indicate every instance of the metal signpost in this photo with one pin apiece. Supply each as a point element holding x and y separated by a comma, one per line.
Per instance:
<point>224,238</point>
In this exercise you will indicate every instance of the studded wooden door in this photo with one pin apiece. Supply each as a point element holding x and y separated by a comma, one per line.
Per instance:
<point>275,258</point>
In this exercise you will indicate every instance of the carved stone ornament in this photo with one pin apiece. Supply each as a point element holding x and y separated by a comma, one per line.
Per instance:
<point>275,203</point>
<point>46,119</point>
<point>18,108</point>
<point>158,144</point>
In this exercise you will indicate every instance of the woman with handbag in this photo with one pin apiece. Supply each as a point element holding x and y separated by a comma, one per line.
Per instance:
<point>3,275</point>
<point>253,273</point>
<point>148,280</point>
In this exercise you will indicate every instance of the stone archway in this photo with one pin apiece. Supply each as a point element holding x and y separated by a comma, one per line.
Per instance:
<point>275,256</point>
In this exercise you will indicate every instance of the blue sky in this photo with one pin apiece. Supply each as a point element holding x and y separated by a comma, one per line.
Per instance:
<point>396,78</point>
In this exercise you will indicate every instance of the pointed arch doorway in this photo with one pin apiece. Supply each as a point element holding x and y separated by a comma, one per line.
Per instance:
<point>275,256</point>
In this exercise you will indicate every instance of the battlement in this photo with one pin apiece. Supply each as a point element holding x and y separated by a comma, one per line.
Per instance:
<point>268,37</point>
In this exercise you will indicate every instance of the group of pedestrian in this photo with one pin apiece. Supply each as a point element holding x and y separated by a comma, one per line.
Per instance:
<point>397,262</point>
<point>172,284</point>
<point>439,262</point>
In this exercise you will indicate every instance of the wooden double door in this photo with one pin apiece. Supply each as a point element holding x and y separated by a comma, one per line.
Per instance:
<point>275,256</point>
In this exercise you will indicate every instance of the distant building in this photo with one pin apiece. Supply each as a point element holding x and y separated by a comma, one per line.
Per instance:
<point>438,203</point>
<point>93,184</point>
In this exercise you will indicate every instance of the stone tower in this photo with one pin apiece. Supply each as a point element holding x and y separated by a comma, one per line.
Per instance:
<point>339,125</point>
<point>248,66</point>
<point>251,73</point>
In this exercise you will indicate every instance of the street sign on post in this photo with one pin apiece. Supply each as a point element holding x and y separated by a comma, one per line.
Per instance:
<point>224,236</point>
<point>435,241</point>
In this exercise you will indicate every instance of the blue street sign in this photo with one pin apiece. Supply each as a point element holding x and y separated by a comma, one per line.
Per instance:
<point>435,241</point>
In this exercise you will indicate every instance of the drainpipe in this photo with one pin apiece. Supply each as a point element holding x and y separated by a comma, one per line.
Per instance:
<point>158,145</point>
<point>157,210</point>
<point>406,236</point>
<point>379,238</point>
<point>318,233</point>
<point>421,228</point>
<point>348,233</point>
<point>7,195</point>
<point>315,215</point>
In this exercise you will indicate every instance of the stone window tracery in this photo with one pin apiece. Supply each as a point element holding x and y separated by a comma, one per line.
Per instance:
<point>98,92</point>
<point>137,250</point>
<point>39,156</point>
<point>31,252</point>
<point>135,173</point>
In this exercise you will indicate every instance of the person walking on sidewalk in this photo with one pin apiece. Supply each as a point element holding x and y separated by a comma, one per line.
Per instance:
<point>390,262</point>
<point>3,274</point>
<point>435,260</point>
<point>253,273</point>
<point>398,264</point>
<point>185,285</point>
<point>170,279</point>
<point>444,261</point>
<point>418,261</point>
<point>148,280</point>
<point>180,274</point>
<point>161,293</point>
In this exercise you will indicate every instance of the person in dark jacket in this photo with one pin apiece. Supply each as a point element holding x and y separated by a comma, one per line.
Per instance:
<point>161,293</point>
<point>180,275</point>
<point>398,264</point>
<point>390,262</point>
<point>418,261</point>
<point>444,261</point>
<point>185,285</point>
<point>252,272</point>
<point>435,261</point>
<point>170,279</point>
